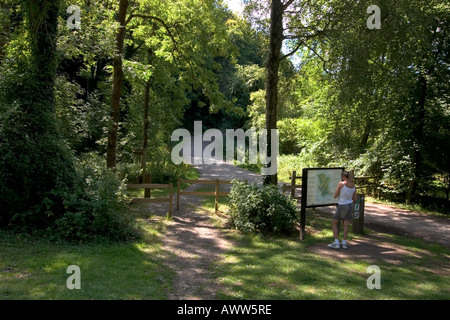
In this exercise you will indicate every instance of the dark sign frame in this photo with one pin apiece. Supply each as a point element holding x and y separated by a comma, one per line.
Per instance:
<point>304,200</point>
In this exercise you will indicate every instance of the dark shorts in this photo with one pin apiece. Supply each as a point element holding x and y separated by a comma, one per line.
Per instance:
<point>344,212</point>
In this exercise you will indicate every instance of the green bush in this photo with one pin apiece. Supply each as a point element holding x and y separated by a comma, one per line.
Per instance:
<point>166,171</point>
<point>36,173</point>
<point>297,135</point>
<point>262,210</point>
<point>99,210</point>
<point>92,208</point>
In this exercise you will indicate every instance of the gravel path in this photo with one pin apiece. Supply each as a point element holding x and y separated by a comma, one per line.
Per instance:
<point>392,220</point>
<point>193,243</point>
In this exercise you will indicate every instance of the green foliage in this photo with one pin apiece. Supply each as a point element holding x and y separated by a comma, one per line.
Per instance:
<point>373,100</point>
<point>98,211</point>
<point>36,165</point>
<point>35,177</point>
<point>43,189</point>
<point>261,210</point>
<point>288,101</point>
<point>165,171</point>
<point>390,92</point>
<point>161,168</point>
<point>298,134</point>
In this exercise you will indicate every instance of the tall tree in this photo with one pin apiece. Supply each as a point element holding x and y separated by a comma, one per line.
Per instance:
<point>4,28</point>
<point>111,151</point>
<point>277,9</point>
<point>36,166</point>
<point>296,23</point>
<point>190,35</point>
<point>391,84</point>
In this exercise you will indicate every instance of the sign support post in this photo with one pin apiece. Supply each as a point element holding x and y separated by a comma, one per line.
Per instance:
<point>358,211</point>
<point>303,204</point>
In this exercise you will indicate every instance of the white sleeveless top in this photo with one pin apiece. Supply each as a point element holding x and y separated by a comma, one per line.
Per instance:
<point>346,195</point>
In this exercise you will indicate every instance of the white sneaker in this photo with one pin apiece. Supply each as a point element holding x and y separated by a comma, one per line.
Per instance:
<point>334,245</point>
<point>344,246</point>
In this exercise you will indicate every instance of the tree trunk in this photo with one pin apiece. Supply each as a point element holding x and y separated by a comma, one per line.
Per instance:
<point>145,116</point>
<point>4,29</point>
<point>272,66</point>
<point>39,106</point>
<point>447,186</point>
<point>146,122</point>
<point>365,136</point>
<point>418,126</point>
<point>117,87</point>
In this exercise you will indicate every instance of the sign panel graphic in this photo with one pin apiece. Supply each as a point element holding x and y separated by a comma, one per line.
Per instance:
<point>321,184</point>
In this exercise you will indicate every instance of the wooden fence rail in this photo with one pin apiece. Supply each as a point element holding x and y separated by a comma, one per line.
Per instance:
<point>148,186</point>
<point>293,185</point>
<point>370,184</point>
<point>216,193</point>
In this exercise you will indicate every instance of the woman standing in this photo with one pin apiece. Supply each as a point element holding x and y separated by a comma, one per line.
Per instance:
<point>346,191</point>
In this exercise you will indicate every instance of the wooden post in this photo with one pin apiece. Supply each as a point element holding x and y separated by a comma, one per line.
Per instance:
<point>294,173</point>
<point>377,182</point>
<point>303,204</point>
<point>170,199</point>
<point>216,204</point>
<point>144,161</point>
<point>178,194</point>
<point>358,221</point>
<point>147,179</point>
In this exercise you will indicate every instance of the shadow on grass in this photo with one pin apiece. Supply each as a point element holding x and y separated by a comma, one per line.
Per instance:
<point>37,269</point>
<point>285,268</point>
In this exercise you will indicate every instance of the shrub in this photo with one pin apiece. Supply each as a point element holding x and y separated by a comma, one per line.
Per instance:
<point>81,202</point>
<point>35,170</point>
<point>98,211</point>
<point>262,210</point>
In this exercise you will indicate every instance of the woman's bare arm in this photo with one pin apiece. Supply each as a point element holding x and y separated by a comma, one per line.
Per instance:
<point>338,189</point>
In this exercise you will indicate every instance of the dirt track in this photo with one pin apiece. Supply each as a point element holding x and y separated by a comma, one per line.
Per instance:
<point>194,243</point>
<point>388,219</point>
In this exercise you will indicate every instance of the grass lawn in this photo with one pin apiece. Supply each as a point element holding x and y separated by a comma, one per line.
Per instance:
<point>36,269</point>
<point>283,268</point>
<point>33,268</point>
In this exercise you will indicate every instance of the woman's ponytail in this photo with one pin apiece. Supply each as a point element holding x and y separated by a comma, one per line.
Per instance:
<point>349,175</point>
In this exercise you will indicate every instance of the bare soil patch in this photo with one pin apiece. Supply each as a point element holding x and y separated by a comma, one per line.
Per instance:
<point>369,248</point>
<point>194,245</point>
<point>191,245</point>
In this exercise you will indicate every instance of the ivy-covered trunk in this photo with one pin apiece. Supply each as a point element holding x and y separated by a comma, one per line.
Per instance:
<point>36,166</point>
<point>43,29</point>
